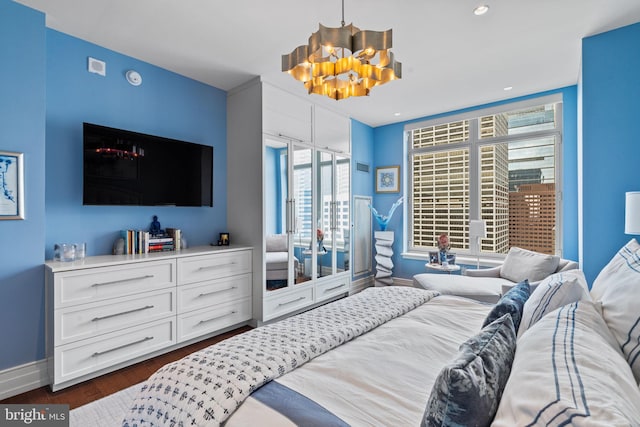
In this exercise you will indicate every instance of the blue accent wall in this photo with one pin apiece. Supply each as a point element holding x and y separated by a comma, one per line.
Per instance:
<point>362,183</point>
<point>22,129</point>
<point>166,104</point>
<point>610,142</point>
<point>389,150</point>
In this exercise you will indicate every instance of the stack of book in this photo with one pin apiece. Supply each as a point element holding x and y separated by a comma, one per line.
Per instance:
<point>141,242</point>
<point>161,243</point>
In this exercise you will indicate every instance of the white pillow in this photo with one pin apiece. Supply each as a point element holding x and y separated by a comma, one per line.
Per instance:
<point>276,243</point>
<point>521,264</point>
<point>553,292</point>
<point>606,277</point>
<point>568,370</point>
<point>617,287</point>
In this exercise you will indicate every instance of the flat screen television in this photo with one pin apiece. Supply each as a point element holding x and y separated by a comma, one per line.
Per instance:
<point>129,168</point>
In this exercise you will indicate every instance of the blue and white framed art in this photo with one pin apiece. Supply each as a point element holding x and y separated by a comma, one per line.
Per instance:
<point>388,179</point>
<point>11,185</point>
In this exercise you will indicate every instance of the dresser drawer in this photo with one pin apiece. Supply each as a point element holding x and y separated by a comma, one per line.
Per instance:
<point>206,294</point>
<point>201,322</point>
<point>214,266</point>
<point>85,357</point>
<point>330,289</point>
<point>286,303</point>
<point>96,284</point>
<point>88,320</point>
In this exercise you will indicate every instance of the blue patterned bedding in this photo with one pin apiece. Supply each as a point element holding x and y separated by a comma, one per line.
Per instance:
<point>206,387</point>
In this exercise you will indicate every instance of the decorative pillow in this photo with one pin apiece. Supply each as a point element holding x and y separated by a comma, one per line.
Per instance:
<point>467,391</point>
<point>568,370</point>
<point>511,302</point>
<point>607,277</point>
<point>522,264</point>
<point>617,287</point>
<point>553,292</point>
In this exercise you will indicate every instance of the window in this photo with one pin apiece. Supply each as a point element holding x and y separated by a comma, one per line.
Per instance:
<point>498,165</point>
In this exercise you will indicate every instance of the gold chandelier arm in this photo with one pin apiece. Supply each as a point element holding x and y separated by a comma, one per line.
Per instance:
<point>328,37</point>
<point>375,40</point>
<point>297,56</point>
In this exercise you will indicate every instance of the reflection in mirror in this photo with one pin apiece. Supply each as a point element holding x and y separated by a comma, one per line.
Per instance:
<point>325,213</point>
<point>302,213</point>
<point>342,212</point>
<point>275,211</point>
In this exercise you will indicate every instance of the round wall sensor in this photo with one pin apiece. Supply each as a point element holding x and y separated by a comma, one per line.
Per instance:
<point>134,77</point>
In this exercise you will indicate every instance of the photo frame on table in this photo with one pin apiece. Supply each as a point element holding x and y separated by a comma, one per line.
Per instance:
<point>11,185</point>
<point>224,239</point>
<point>388,179</point>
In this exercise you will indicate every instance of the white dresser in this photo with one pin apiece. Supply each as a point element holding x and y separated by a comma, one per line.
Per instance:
<point>106,312</point>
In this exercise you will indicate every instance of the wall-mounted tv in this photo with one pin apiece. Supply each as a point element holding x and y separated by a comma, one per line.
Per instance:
<point>129,168</point>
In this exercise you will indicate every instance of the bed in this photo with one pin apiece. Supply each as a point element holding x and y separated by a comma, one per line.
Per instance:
<point>401,356</point>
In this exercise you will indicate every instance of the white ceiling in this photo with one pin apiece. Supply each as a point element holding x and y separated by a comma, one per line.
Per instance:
<point>451,58</point>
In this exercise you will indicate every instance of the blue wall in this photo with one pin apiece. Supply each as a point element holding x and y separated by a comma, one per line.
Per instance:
<point>22,129</point>
<point>362,150</point>
<point>166,104</point>
<point>389,150</point>
<point>610,141</point>
<point>47,93</point>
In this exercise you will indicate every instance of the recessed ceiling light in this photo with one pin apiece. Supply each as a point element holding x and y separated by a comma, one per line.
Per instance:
<point>508,88</point>
<point>396,114</point>
<point>481,10</point>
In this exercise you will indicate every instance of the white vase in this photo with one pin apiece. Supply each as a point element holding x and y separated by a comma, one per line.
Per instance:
<point>384,252</point>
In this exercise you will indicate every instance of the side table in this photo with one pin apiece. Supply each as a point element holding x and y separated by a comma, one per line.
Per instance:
<point>439,267</point>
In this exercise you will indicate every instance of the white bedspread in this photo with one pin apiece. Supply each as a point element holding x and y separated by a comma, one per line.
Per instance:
<point>382,378</point>
<point>207,386</point>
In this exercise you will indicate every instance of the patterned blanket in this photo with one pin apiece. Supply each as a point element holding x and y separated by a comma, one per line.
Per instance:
<point>207,386</point>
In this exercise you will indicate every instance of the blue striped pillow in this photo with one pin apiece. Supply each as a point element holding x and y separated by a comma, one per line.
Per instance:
<point>617,287</point>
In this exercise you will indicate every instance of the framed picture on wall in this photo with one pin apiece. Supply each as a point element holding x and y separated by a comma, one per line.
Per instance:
<point>11,185</point>
<point>388,179</point>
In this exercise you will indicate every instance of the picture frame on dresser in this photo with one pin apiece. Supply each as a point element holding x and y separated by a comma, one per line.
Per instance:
<point>11,185</point>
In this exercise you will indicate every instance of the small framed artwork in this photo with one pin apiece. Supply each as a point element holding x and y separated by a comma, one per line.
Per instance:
<point>11,185</point>
<point>388,179</point>
<point>224,239</point>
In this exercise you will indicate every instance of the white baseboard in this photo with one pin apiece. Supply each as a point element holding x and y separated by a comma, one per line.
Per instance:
<point>23,378</point>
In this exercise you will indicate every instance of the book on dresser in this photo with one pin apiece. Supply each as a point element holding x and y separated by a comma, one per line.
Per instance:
<point>135,241</point>
<point>176,234</point>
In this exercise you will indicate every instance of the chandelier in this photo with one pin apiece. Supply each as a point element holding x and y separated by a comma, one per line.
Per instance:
<point>343,62</point>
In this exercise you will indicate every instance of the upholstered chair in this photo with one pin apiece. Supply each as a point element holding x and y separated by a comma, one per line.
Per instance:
<point>488,284</point>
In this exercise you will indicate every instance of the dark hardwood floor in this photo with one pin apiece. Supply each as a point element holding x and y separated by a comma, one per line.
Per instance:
<point>107,384</point>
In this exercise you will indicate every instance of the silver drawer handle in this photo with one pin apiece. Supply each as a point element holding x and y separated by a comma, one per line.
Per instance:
<point>215,267</point>
<point>113,282</point>
<point>333,289</point>
<point>95,319</point>
<point>100,353</point>
<point>217,292</point>
<point>216,318</point>
<point>291,302</point>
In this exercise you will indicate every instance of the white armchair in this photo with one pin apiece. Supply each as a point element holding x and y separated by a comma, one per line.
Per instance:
<point>489,284</point>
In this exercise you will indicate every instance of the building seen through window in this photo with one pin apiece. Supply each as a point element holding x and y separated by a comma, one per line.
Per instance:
<point>498,167</point>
